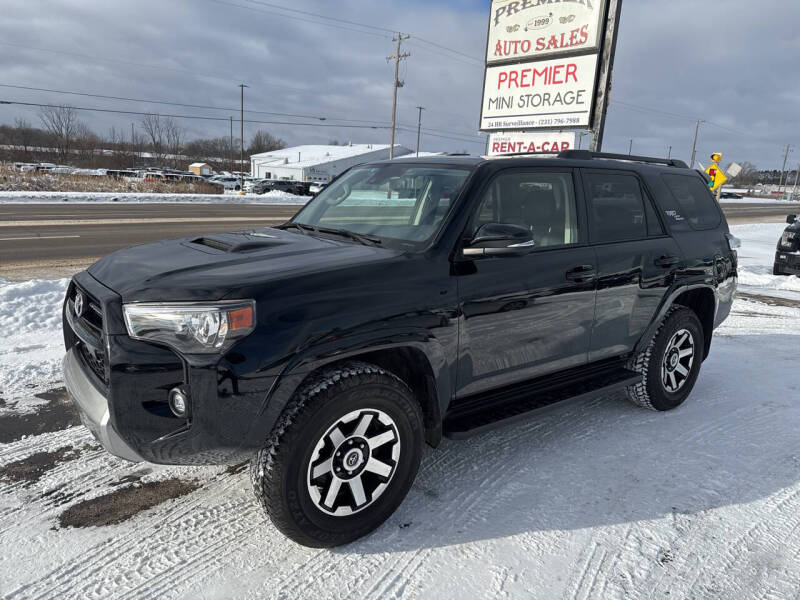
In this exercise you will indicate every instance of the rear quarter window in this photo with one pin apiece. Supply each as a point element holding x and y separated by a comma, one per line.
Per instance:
<point>697,204</point>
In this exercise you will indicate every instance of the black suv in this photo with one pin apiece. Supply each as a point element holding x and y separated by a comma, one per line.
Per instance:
<point>787,256</point>
<point>410,299</point>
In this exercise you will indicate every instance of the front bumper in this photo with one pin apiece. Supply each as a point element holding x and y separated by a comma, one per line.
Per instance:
<point>93,408</point>
<point>787,262</point>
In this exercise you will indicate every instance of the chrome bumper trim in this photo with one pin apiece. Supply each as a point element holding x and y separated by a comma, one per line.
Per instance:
<point>93,406</point>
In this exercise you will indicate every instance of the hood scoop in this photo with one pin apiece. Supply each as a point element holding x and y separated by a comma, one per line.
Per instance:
<point>238,242</point>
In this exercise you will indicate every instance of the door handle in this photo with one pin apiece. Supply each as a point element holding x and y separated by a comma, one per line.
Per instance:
<point>582,274</point>
<point>667,261</point>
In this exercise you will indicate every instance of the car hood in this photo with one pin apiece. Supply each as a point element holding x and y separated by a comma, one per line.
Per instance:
<point>210,267</point>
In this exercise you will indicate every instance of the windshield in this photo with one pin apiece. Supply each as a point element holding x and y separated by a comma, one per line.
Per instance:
<point>400,201</point>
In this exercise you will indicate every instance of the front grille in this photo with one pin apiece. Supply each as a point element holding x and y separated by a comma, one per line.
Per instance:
<point>95,360</point>
<point>92,351</point>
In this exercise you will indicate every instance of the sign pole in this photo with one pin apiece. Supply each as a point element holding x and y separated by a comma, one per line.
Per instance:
<point>604,77</point>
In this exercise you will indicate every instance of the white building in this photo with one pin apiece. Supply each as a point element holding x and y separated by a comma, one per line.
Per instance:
<point>317,163</point>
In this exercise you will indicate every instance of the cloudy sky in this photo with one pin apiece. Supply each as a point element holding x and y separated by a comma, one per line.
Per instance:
<point>734,64</point>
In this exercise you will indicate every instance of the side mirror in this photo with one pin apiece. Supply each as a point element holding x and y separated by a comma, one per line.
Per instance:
<point>500,239</point>
<point>791,219</point>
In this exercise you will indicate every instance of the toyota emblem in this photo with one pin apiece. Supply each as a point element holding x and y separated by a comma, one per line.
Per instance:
<point>78,304</point>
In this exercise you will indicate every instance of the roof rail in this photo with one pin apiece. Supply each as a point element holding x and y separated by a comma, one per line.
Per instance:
<point>587,155</point>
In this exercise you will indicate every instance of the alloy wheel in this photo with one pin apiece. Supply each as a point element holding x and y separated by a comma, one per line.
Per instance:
<point>676,365</point>
<point>353,462</point>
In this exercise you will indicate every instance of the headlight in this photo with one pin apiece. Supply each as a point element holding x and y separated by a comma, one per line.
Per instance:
<point>191,328</point>
<point>788,238</point>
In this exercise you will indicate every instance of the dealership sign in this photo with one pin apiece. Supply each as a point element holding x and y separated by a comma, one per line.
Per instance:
<point>532,29</point>
<point>546,94</point>
<point>525,142</point>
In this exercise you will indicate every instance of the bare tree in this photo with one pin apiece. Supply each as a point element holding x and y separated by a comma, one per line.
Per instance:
<point>748,177</point>
<point>263,141</point>
<point>23,136</point>
<point>155,133</point>
<point>62,123</point>
<point>173,136</point>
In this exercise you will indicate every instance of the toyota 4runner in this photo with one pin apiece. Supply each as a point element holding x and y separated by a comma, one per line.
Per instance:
<point>411,299</point>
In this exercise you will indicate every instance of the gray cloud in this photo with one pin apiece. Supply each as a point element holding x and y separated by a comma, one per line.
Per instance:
<point>731,63</point>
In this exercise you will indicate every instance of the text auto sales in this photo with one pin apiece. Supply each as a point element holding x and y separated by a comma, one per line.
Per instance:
<point>577,37</point>
<point>532,77</point>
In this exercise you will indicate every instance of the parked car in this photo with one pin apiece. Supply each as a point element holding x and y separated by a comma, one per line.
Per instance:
<point>316,188</point>
<point>730,196</point>
<point>787,256</point>
<point>329,349</point>
<point>229,183</point>
<point>280,185</point>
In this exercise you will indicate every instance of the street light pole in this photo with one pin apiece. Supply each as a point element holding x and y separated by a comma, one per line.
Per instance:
<point>669,152</point>
<point>230,149</point>
<point>241,153</point>
<point>783,168</point>
<point>419,128</point>
<point>630,147</point>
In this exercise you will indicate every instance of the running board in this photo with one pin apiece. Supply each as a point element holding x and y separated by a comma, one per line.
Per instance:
<point>488,411</point>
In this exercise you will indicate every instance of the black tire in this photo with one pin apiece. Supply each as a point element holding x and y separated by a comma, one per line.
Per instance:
<point>653,392</point>
<point>776,270</point>
<point>281,472</point>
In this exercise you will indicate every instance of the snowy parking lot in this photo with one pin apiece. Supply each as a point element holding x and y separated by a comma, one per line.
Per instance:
<point>595,499</point>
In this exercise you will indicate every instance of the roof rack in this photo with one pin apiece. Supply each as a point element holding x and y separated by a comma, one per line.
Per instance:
<point>587,155</point>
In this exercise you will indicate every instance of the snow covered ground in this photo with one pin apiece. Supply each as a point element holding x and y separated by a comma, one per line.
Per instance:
<point>274,197</point>
<point>594,499</point>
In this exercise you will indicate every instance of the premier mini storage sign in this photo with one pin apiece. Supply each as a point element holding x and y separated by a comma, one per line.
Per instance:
<point>548,94</point>
<point>521,29</point>
<point>542,64</point>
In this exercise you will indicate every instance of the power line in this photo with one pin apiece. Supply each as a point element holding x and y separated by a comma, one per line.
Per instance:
<point>195,117</point>
<point>272,12</point>
<point>309,13</point>
<point>169,103</point>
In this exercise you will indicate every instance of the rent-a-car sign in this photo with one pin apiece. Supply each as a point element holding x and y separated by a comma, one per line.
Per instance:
<point>547,94</point>
<point>526,142</point>
<point>531,29</point>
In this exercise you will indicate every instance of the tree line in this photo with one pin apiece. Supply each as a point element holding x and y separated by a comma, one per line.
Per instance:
<point>62,137</point>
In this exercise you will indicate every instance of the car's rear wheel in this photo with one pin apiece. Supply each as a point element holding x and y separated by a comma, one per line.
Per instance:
<point>342,456</point>
<point>671,362</point>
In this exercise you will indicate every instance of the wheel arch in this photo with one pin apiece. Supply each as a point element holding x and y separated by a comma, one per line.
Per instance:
<point>421,365</point>
<point>700,298</point>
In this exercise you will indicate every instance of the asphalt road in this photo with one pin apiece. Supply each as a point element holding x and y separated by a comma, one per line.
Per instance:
<point>36,238</point>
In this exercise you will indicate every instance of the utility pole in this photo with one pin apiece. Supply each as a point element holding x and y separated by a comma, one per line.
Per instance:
<point>397,83</point>
<point>241,154</point>
<point>694,145</point>
<point>669,153</point>
<point>419,128</point>
<point>796,176</point>
<point>783,168</point>
<point>230,148</point>
<point>630,147</point>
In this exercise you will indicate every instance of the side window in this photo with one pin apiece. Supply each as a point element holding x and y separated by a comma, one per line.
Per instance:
<point>616,208</point>
<point>697,203</point>
<point>542,202</point>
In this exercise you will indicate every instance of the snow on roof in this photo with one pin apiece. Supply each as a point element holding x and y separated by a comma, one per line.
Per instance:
<point>304,156</point>
<point>199,165</point>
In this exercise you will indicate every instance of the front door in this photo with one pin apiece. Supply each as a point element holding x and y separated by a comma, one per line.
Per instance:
<point>527,315</point>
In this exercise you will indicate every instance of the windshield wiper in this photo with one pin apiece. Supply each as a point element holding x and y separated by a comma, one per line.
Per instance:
<point>367,240</point>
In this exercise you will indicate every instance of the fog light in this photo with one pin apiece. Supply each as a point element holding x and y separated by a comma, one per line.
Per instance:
<point>179,402</point>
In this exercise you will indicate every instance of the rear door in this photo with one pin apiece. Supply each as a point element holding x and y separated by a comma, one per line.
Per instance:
<point>527,316</point>
<point>637,261</point>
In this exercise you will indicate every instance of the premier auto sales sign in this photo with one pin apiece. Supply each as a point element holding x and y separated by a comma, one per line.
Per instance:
<point>526,29</point>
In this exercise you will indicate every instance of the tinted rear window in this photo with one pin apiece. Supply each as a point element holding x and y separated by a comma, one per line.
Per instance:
<point>698,205</point>
<point>616,207</point>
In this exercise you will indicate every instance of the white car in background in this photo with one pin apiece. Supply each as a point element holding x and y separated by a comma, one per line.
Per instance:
<point>229,183</point>
<point>316,188</point>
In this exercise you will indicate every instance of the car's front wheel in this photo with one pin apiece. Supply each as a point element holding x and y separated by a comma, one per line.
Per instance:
<point>342,456</point>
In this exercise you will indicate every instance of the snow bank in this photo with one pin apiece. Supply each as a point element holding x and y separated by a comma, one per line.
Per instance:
<point>32,347</point>
<point>274,197</point>
<point>756,200</point>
